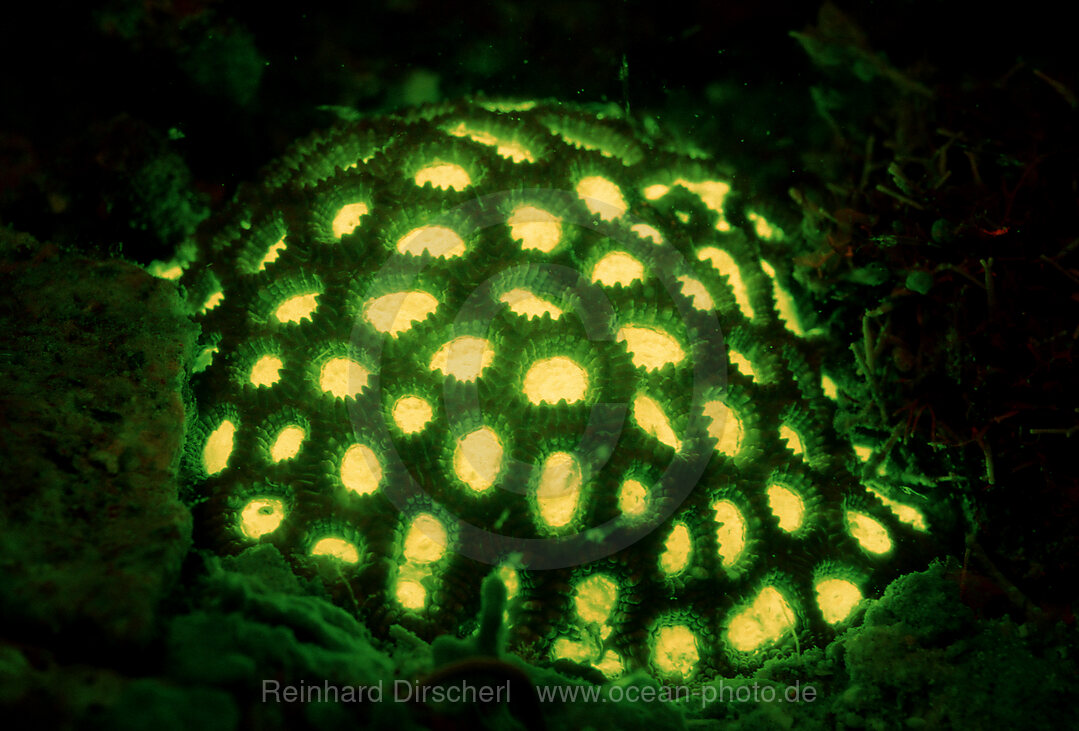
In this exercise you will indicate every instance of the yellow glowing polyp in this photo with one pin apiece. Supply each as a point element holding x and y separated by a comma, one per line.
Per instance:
<point>337,548</point>
<point>213,301</point>
<point>535,228</point>
<point>444,175</point>
<point>829,387</point>
<point>633,498</point>
<point>525,303</point>
<point>655,192</point>
<point>411,414</point>
<point>724,264</point>
<point>762,623</point>
<point>343,377</point>
<point>677,550</point>
<point>464,358</point>
<point>484,138</point>
<point>261,517</point>
<point>397,312</point>
<point>434,240</point>
<point>297,308</point>
<point>347,219</point>
<point>730,532</point>
<point>559,489</point>
<point>837,598</point>
<point>287,444</point>
<point>512,582</point>
<point>742,363</point>
<point>507,106</point>
<point>794,441</point>
<point>411,594</point>
<point>426,539</point>
<point>870,534</point>
<point>272,253</point>
<point>725,427</point>
<point>554,379</point>
<point>509,577</point>
<point>787,506</point>
<point>508,149</point>
<point>567,649</point>
<point>647,232</point>
<point>595,598</point>
<point>617,268</point>
<point>762,228</point>
<point>905,513</point>
<point>477,458</point>
<point>650,417</point>
<point>650,348</point>
<point>788,313</point>
<point>265,372</point>
<point>697,292</point>
<point>712,193</point>
<point>361,472</point>
<point>610,664</point>
<point>218,447</point>
<point>674,651</point>
<point>165,271</point>
<point>602,197</point>
<point>515,151</point>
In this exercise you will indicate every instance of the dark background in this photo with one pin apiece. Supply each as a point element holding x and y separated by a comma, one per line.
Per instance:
<point>121,121</point>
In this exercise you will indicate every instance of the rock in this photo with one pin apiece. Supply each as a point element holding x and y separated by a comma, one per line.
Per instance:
<point>92,531</point>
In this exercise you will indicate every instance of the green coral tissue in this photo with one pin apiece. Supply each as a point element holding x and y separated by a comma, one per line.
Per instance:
<point>521,338</point>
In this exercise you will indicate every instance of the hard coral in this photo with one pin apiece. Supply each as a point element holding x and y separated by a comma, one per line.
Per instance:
<point>517,337</point>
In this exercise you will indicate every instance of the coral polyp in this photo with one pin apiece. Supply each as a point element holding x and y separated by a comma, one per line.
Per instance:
<point>521,338</point>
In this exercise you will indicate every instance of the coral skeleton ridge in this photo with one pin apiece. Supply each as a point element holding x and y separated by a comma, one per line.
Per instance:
<point>522,338</point>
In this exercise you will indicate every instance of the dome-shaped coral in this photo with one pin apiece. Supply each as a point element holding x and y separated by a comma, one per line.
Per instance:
<point>494,337</point>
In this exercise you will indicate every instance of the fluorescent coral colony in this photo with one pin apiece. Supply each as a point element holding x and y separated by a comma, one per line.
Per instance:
<point>519,338</point>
